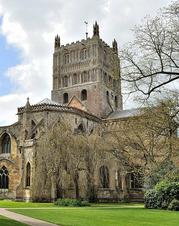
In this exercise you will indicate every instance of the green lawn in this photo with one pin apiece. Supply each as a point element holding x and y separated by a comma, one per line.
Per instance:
<point>104,216</point>
<point>11,204</point>
<point>4,221</point>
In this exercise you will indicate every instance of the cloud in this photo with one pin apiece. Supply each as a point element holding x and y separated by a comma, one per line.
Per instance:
<point>30,27</point>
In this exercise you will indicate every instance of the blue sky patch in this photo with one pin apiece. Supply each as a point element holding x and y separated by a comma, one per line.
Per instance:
<point>9,57</point>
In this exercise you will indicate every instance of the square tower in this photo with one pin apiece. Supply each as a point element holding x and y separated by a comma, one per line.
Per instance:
<point>89,70</point>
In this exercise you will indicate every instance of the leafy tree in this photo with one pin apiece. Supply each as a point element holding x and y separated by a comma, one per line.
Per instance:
<point>151,61</point>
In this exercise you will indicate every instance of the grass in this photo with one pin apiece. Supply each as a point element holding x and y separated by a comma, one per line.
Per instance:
<point>11,204</point>
<point>4,221</point>
<point>105,217</point>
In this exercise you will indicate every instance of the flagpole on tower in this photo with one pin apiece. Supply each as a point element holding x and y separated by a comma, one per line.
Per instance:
<point>86,29</point>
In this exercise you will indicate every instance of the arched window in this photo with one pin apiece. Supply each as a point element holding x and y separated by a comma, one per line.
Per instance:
<point>104,176</point>
<point>6,144</point>
<point>84,94</point>
<point>65,98</point>
<point>28,174</point>
<point>4,178</point>
<point>75,79</point>
<point>83,54</point>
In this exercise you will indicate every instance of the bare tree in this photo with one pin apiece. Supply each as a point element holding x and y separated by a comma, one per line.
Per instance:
<point>150,140</point>
<point>60,152</point>
<point>152,60</point>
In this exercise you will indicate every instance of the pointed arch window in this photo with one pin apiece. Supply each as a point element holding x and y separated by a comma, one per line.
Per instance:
<point>107,96</point>
<point>28,168</point>
<point>6,144</point>
<point>104,176</point>
<point>81,128</point>
<point>4,178</point>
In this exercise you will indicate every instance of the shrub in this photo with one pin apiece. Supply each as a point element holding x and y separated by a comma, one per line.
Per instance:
<point>162,195</point>
<point>174,205</point>
<point>153,200</point>
<point>71,202</point>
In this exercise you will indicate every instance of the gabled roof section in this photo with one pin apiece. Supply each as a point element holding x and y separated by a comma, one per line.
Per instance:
<point>47,101</point>
<point>75,102</point>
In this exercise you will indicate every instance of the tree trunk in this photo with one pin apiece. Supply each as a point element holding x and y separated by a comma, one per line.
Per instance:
<point>76,186</point>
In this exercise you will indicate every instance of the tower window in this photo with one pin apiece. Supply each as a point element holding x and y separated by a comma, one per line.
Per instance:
<point>65,81</point>
<point>104,176</point>
<point>83,54</point>
<point>75,79</point>
<point>84,94</point>
<point>4,178</point>
<point>104,55</point>
<point>6,144</point>
<point>65,98</point>
<point>66,58</point>
<point>105,78</point>
<point>110,81</point>
<point>84,77</point>
<point>28,174</point>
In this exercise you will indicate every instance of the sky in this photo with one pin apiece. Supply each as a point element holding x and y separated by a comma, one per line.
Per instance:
<point>27,31</point>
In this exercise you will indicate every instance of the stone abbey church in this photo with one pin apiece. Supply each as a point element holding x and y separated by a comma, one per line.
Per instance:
<point>86,92</point>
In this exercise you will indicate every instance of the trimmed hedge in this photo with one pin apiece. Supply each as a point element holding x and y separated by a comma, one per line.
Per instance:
<point>71,202</point>
<point>163,195</point>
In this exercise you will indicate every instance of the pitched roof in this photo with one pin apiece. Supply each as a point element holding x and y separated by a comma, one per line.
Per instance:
<point>125,113</point>
<point>47,101</point>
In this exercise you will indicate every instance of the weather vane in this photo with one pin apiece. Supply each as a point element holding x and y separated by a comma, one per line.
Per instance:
<point>86,29</point>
